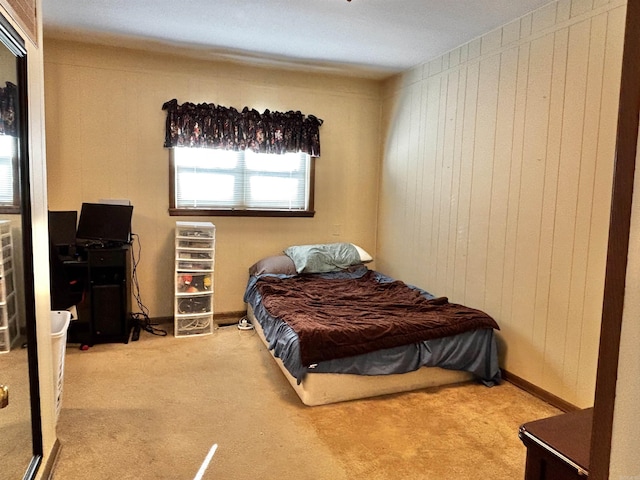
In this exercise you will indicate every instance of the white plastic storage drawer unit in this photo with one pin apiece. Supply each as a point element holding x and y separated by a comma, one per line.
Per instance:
<point>193,282</point>
<point>9,327</point>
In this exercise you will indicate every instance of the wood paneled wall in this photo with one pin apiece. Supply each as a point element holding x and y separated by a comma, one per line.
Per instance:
<point>24,12</point>
<point>496,183</point>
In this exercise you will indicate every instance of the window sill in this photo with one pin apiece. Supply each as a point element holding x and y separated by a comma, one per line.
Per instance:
<point>196,212</point>
<point>8,210</point>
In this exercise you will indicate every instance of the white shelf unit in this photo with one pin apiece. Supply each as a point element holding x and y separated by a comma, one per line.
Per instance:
<point>9,328</point>
<point>193,282</point>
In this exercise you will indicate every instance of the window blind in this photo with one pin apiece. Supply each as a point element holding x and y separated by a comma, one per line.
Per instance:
<point>7,155</point>
<point>213,178</point>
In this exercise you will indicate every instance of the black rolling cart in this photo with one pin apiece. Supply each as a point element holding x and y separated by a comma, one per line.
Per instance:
<point>91,270</point>
<point>104,313</point>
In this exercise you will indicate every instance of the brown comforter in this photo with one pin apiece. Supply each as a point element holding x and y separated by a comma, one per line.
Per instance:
<point>337,318</point>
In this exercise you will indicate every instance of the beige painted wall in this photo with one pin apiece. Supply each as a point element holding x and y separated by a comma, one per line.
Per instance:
<point>105,128</point>
<point>496,184</point>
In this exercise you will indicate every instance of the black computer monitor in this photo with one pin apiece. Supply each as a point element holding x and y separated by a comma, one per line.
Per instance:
<point>104,223</point>
<point>62,228</point>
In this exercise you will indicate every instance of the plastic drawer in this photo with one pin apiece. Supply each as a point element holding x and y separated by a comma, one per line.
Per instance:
<point>195,243</point>
<point>7,266</point>
<point>11,304</point>
<point>195,254</point>
<point>194,283</point>
<point>5,340</point>
<point>195,232</point>
<point>193,325</point>
<point>6,251</point>
<point>8,285</point>
<point>4,318</point>
<point>7,310</point>
<point>194,265</point>
<point>193,304</point>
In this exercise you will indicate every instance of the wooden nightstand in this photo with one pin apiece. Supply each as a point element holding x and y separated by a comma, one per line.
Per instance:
<point>558,447</point>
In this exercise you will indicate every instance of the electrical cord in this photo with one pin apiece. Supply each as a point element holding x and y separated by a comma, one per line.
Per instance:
<point>196,324</point>
<point>140,320</point>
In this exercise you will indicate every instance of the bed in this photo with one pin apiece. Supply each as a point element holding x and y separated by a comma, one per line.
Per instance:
<point>340,331</point>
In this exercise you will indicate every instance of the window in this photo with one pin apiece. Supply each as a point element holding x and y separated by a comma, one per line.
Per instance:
<point>9,190</point>
<point>226,182</point>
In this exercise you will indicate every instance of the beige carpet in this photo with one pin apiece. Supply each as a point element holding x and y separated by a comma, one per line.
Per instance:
<point>15,420</point>
<point>153,408</point>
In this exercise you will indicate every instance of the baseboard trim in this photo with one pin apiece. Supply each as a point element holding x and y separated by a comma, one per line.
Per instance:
<point>536,391</point>
<point>161,320</point>
<point>49,467</point>
<point>222,318</point>
<point>228,318</point>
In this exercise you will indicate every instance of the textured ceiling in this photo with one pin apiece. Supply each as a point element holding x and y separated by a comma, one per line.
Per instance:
<point>370,37</point>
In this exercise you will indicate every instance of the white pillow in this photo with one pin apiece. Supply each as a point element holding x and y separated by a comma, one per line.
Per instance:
<point>364,256</point>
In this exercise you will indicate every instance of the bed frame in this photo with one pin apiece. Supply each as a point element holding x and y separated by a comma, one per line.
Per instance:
<point>325,388</point>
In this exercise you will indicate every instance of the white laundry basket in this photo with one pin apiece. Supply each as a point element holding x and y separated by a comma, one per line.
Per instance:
<point>59,326</point>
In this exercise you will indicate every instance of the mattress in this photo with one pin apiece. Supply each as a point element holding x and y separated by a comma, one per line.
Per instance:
<point>326,388</point>
<point>435,362</point>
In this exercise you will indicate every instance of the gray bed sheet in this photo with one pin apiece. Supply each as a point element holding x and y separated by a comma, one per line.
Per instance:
<point>474,351</point>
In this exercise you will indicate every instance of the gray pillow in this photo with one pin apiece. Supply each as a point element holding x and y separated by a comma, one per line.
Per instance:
<point>279,264</point>
<point>325,257</point>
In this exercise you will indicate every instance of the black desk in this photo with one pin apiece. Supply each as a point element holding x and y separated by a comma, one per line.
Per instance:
<point>102,277</point>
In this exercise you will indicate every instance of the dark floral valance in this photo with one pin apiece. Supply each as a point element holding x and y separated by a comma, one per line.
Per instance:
<point>8,100</point>
<point>213,126</point>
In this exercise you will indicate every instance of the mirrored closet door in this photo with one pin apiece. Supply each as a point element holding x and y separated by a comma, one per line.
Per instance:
<point>20,430</point>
